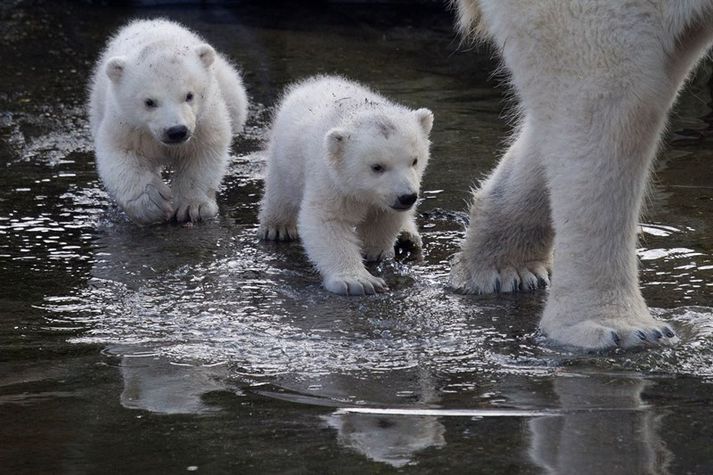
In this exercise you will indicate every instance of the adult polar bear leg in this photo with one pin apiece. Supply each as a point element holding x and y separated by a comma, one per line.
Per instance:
<point>597,168</point>
<point>595,86</point>
<point>333,246</point>
<point>598,138</point>
<point>508,244</point>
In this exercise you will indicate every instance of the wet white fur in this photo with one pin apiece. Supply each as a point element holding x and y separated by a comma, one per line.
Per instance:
<point>595,80</point>
<point>162,61</point>
<point>326,135</point>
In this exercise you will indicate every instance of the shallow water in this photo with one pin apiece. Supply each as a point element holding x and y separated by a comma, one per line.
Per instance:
<point>181,349</point>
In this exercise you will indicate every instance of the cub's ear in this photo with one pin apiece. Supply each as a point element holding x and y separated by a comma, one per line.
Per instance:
<point>206,54</point>
<point>335,141</point>
<point>425,120</point>
<point>115,68</point>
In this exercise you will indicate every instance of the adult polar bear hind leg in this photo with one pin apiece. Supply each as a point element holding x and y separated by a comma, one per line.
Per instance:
<point>344,170</point>
<point>162,97</point>
<point>595,81</point>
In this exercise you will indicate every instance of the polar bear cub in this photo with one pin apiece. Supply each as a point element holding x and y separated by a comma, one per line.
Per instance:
<point>344,169</point>
<point>162,97</point>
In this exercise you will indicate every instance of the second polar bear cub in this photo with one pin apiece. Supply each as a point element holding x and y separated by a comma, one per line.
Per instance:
<point>162,97</point>
<point>344,169</point>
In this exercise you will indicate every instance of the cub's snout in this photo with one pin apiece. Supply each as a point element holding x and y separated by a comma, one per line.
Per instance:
<point>404,202</point>
<point>176,134</point>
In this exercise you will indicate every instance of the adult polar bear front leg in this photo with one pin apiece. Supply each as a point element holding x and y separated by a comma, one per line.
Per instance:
<point>598,132</point>
<point>333,246</point>
<point>597,173</point>
<point>508,244</point>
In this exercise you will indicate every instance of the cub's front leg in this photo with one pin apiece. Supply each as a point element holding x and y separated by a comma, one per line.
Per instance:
<point>135,183</point>
<point>332,244</point>
<point>195,183</point>
<point>409,239</point>
<point>380,230</point>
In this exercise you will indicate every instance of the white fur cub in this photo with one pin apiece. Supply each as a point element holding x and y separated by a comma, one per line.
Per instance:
<point>162,97</point>
<point>344,167</point>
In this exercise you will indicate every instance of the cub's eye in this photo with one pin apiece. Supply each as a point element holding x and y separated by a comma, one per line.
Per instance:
<point>189,97</point>
<point>377,168</point>
<point>415,161</point>
<point>150,103</point>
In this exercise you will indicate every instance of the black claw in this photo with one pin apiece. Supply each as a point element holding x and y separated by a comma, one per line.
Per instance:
<point>641,335</point>
<point>668,332</point>
<point>616,338</point>
<point>497,285</point>
<point>657,334</point>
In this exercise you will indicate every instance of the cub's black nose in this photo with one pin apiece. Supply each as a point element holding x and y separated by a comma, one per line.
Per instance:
<point>408,200</point>
<point>176,134</point>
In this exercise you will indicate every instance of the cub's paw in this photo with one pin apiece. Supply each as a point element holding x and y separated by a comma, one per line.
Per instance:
<point>195,208</point>
<point>375,254</point>
<point>472,277</point>
<point>611,333</point>
<point>278,232</point>
<point>152,205</point>
<point>355,284</point>
<point>409,244</point>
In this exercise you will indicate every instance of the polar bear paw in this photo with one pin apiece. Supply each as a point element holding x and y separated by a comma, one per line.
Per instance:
<point>409,244</point>
<point>278,232</point>
<point>152,205</point>
<point>375,254</point>
<point>474,278</point>
<point>355,284</point>
<point>195,208</point>
<point>409,238</point>
<point>611,333</point>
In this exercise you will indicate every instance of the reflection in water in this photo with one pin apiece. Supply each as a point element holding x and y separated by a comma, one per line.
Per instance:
<point>159,386</point>
<point>605,428</point>
<point>388,439</point>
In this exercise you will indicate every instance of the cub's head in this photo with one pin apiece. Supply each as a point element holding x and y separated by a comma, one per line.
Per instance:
<point>163,89</point>
<point>380,158</point>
